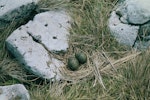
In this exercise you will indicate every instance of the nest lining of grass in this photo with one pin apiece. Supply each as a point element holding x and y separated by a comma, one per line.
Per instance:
<point>98,61</point>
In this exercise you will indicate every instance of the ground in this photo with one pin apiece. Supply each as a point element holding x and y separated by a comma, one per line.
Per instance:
<point>89,33</point>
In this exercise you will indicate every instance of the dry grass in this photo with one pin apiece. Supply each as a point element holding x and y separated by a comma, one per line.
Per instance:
<point>112,72</point>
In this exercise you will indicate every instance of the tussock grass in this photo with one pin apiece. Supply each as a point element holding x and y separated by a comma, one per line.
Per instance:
<point>122,71</point>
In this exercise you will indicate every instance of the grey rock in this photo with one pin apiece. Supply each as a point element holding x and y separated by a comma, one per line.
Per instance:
<point>33,55</point>
<point>15,10</point>
<point>32,43</point>
<point>124,33</point>
<point>14,92</point>
<point>134,11</point>
<point>51,29</point>
<point>129,23</point>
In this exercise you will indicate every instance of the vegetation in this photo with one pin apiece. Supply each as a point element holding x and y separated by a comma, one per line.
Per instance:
<point>89,32</point>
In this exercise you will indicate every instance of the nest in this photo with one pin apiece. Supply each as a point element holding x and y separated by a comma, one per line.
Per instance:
<point>96,66</point>
<point>98,62</point>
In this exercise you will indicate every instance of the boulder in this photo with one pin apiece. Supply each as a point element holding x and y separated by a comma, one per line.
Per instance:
<point>33,43</point>
<point>124,33</point>
<point>129,23</point>
<point>32,54</point>
<point>14,92</point>
<point>134,11</point>
<point>15,10</point>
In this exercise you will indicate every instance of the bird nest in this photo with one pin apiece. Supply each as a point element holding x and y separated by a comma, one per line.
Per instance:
<point>97,65</point>
<point>98,62</point>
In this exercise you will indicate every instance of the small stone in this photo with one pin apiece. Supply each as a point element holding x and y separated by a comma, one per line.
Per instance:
<point>12,92</point>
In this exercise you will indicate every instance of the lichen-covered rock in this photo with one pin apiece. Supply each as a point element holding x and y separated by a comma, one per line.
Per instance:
<point>32,43</point>
<point>123,33</point>
<point>14,92</point>
<point>33,55</point>
<point>51,29</point>
<point>129,23</point>
<point>15,10</point>
<point>134,11</point>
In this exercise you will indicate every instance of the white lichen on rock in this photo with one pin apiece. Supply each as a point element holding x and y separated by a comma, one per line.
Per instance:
<point>33,55</point>
<point>32,43</point>
<point>51,29</point>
